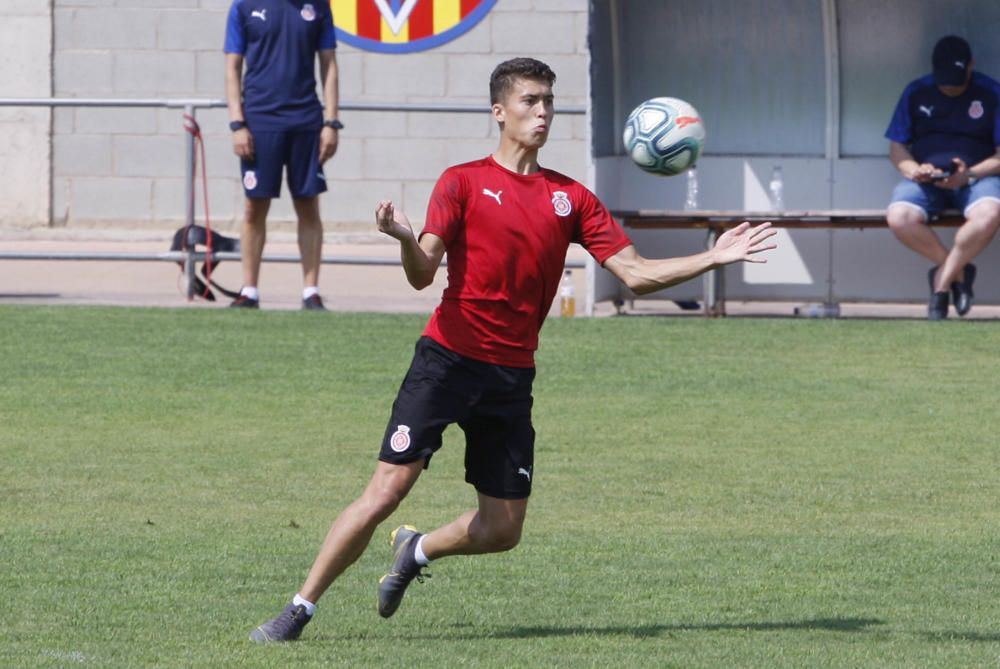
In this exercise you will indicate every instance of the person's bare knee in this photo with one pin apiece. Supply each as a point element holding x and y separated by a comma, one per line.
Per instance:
<point>901,218</point>
<point>255,209</point>
<point>495,537</point>
<point>307,210</point>
<point>984,217</point>
<point>498,524</point>
<point>389,486</point>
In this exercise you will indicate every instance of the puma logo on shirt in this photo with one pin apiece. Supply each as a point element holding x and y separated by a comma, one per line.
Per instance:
<point>495,196</point>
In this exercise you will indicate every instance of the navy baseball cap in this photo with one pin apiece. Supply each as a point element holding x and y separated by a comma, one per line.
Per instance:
<point>951,60</point>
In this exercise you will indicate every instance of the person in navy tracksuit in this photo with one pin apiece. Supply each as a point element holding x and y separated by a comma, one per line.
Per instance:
<point>278,123</point>
<point>944,139</point>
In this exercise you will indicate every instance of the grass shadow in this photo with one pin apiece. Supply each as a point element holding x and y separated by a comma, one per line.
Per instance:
<point>961,636</point>
<point>471,632</point>
<point>647,631</point>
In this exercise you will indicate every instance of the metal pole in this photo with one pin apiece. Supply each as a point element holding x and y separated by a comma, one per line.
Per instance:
<point>189,171</point>
<point>714,280</point>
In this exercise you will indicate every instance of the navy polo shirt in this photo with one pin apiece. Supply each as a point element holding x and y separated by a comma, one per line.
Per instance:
<point>938,128</point>
<point>279,40</point>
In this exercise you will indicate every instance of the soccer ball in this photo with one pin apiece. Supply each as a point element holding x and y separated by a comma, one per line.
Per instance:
<point>664,136</point>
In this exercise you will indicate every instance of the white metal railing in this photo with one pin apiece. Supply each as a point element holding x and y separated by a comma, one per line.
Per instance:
<point>190,107</point>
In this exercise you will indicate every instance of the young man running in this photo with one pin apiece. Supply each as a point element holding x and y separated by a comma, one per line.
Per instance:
<point>506,224</point>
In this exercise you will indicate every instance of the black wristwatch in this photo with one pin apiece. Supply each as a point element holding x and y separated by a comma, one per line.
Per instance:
<point>237,125</point>
<point>335,124</point>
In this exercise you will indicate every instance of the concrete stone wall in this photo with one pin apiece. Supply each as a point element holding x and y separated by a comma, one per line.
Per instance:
<point>25,149</point>
<point>126,166</point>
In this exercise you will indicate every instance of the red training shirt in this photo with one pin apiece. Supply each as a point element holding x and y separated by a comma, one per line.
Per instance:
<point>506,236</point>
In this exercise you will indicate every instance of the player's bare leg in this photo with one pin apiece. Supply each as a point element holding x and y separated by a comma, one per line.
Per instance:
<point>345,542</point>
<point>253,235</point>
<point>310,237</point>
<point>352,531</point>
<point>494,527</point>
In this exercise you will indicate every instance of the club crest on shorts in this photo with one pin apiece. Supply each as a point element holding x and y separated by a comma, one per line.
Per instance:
<point>250,180</point>
<point>561,203</point>
<point>976,109</point>
<point>400,439</point>
<point>308,12</point>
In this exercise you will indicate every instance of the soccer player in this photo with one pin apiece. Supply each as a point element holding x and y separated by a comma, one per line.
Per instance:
<point>506,224</point>
<point>278,123</point>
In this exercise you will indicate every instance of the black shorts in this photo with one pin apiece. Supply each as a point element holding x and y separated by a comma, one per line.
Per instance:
<point>492,405</point>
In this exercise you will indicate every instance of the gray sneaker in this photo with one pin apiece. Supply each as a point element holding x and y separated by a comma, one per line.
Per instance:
<point>287,626</point>
<point>404,569</point>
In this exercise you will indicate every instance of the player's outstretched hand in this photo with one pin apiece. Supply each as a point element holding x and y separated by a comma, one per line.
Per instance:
<point>392,222</point>
<point>744,243</point>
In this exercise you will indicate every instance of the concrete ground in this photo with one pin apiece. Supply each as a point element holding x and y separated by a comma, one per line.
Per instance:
<point>161,283</point>
<point>344,287</point>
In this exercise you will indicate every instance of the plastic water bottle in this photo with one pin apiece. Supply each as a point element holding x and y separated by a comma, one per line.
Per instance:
<point>819,310</point>
<point>777,189</point>
<point>567,299</point>
<point>691,203</point>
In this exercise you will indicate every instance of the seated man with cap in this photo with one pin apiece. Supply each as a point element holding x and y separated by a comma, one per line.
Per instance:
<point>944,139</point>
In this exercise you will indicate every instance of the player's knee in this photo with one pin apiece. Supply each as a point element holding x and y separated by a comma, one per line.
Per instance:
<point>502,538</point>
<point>382,503</point>
<point>310,223</point>
<point>256,205</point>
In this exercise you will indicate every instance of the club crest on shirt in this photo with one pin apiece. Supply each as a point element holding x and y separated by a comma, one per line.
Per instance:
<point>976,109</point>
<point>561,203</point>
<point>250,180</point>
<point>400,439</point>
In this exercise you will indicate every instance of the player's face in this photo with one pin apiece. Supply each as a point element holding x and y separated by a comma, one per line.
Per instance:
<point>526,113</point>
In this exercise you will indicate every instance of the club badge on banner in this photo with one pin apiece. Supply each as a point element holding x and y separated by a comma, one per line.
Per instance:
<point>405,26</point>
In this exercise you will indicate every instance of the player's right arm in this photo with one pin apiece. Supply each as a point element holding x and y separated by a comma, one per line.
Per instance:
<point>242,139</point>
<point>422,258</point>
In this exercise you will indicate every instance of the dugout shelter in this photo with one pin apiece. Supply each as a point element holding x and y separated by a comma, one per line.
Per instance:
<point>805,85</point>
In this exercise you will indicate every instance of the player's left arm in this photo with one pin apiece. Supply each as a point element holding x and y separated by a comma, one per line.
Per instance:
<point>646,275</point>
<point>329,137</point>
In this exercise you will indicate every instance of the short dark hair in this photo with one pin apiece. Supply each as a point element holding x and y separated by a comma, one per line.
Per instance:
<point>504,75</point>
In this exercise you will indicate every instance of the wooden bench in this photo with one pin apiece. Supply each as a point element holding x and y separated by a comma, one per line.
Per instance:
<point>718,221</point>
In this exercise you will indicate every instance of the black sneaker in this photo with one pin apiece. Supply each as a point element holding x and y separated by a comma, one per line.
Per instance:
<point>404,569</point>
<point>961,291</point>
<point>244,302</point>
<point>937,308</point>
<point>287,626</point>
<point>313,303</point>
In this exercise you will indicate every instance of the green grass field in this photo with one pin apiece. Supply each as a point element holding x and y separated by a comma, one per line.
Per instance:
<point>708,493</point>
